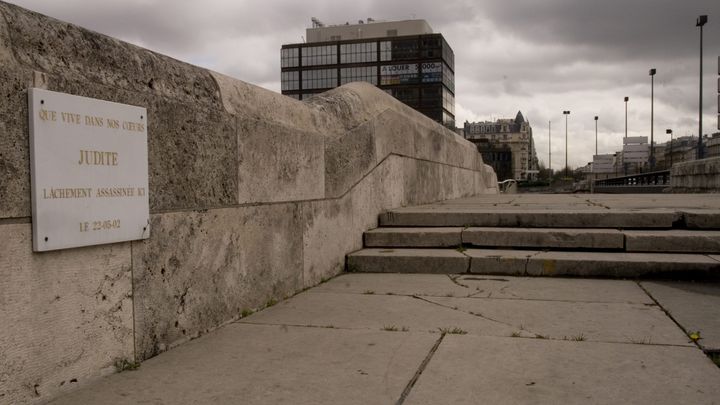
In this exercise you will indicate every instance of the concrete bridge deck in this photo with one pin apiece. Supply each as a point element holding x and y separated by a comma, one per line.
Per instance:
<point>432,339</point>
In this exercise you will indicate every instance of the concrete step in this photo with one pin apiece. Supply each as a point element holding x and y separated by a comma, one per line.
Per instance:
<point>673,241</point>
<point>532,263</point>
<point>414,237</point>
<point>664,241</point>
<point>529,218</point>
<point>442,261</point>
<point>547,238</point>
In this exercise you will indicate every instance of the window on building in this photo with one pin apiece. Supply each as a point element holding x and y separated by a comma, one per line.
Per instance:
<point>448,101</point>
<point>385,50</point>
<point>359,74</point>
<point>358,53</point>
<point>431,96</point>
<point>289,57</point>
<point>319,55</point>
<point>290,81</point>
<point>404,49</point>
<point>408,95</point>
<point>319,79</point>
<point>391,33</point>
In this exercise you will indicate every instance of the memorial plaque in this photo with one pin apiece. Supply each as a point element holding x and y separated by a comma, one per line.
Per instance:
<point>89,171</point>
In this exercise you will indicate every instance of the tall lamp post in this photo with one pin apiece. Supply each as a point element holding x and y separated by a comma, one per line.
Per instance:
<point>652,118</point>
<point>596,119</point>
<point>669,131</point>
<point>701,21</point>
<point>566,113</point>
<point>623,152</point>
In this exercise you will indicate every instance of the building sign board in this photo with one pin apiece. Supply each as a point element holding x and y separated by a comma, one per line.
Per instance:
<point>431,72</point>
<point>399,74</point>
<point>89,171</point>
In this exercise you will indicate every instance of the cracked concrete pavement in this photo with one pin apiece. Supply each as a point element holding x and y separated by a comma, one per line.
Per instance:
<point>429,338</point>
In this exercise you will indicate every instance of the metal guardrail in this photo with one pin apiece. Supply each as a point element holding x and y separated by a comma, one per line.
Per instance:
<point>658,179</point>
<point>508,186</point>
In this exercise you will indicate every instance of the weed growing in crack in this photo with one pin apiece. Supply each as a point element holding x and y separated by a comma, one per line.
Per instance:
<point>515,334</point>
<point>246,312</point>
<point>694,336</point>
<point>579,338</point>
<point>271,302</point>
<point>641,341</point>
<point>460,248</point>
<point>368,292</point>
<point>539,336</point>
<point>125,365</point>
<point>391,328</point>
<point>452,331</point>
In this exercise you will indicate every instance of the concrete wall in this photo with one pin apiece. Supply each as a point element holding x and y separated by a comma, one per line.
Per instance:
<point>696,176</point>
<point>254,196</point>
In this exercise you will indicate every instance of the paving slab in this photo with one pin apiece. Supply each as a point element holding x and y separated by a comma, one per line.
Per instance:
<point>618,264</point>
<point>544,237</point>
<point>602,322</point>
<point>399,284</point>
<point>471,285</point>
<point>375,312</point>
<point>414,237</point>
<point>257,364</point>
<point>675,240</point>
<point>695,306</point>
<point>390,260</point>
<point>555,289</point>
<point>489,370</point>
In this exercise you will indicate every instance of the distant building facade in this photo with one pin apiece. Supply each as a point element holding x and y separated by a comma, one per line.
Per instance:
<point>507,145</point>
<point>404,58</point>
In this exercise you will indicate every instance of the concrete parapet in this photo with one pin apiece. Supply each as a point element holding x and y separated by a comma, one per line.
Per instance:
<point>254,196</point>
<point>696,176</point>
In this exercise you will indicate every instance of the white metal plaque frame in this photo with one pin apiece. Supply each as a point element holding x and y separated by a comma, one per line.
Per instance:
<point>89,171</point>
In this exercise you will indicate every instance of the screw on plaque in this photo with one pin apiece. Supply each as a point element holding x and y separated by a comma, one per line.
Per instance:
<point>46,239</point>
<point>42,101</point>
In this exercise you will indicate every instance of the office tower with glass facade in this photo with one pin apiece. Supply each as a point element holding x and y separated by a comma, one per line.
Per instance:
<point>404,58</point>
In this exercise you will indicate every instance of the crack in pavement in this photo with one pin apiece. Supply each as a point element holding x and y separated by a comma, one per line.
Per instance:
<point>419,371</point>
<point>472,313</point>
<point>667,313</point>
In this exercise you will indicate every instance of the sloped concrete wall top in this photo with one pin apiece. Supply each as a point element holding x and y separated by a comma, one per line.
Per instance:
<point>254,196</point>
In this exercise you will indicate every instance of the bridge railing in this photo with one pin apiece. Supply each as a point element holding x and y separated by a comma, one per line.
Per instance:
<point>659,179</point>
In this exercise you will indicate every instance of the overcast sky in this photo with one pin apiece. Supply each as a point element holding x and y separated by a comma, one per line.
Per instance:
<point>537,56</point>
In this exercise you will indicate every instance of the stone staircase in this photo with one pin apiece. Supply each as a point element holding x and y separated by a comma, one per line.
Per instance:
<point>547,240</point>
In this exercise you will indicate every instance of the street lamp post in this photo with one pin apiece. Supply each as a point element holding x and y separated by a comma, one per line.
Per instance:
<point>566,113</point>
<point>623,152</point>
<point>669,131</point>
<point>701,21</point>
<point>652,116</point>
<point>596,120</point>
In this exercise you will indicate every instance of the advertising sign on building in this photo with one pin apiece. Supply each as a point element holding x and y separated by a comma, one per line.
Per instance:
<point>431,72</point>
<point>399,74</point>
<point>89,171</point>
